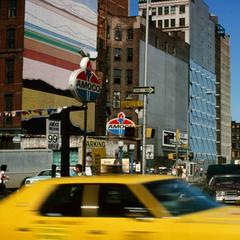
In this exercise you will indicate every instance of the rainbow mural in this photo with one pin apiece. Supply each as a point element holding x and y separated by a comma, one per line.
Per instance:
<point>54,32</point>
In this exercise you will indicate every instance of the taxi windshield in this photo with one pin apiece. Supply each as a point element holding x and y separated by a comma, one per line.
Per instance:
<point>179,197</point>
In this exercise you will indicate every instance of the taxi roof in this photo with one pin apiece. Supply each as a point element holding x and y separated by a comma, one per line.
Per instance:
<point>114,178</point>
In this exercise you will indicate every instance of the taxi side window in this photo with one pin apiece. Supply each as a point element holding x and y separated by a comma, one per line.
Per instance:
<point>65,200</point>
<point>116,200</point>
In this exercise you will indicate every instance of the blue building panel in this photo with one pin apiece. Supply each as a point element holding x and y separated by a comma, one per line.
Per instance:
<point>202,114</point>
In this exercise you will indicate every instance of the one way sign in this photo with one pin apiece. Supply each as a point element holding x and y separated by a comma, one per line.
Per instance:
<point>144,90</point>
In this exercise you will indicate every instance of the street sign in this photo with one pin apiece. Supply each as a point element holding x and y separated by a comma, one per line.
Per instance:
<point>53,134</point>
<point>131,104</point>
<point>144,90</point>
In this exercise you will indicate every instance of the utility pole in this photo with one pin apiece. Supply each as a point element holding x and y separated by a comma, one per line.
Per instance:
<point>145,95</point>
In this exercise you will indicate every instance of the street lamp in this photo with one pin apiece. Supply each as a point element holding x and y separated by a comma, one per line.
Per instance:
<point>131,153</point>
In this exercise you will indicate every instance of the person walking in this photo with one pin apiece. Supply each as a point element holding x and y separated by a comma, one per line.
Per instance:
<point>79,170</point>
<point>3,179</point>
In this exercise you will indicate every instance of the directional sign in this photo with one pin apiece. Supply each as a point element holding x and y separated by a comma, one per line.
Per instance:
<point>143,90</point>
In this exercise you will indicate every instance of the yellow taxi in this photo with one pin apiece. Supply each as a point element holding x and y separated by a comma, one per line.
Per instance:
<point>116,207</point>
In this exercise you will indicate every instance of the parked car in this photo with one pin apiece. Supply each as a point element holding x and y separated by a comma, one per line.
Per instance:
<point>42,175</point>
<point>225,188</point>
<point>116,207</point>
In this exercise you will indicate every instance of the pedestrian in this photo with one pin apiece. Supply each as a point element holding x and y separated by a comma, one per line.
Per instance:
<point>79,170</point>
<point>3,179</point>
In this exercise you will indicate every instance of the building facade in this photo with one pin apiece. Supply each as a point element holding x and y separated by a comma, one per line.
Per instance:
<point>168,73</point>
<point>38,54</point>
<point>190,20</point>
<point>11,62</point>
<point>223,94</point>
<point>235,142</point>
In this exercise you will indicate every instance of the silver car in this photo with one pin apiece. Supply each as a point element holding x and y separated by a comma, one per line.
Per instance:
<point>44,174</point>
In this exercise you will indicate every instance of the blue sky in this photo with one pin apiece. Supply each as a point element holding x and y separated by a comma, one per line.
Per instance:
<point>228,16</point>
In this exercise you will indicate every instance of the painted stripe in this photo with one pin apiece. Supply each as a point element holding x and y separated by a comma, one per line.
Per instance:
<point>34,55</point>
<point>34,45</point>
<point>50,50</point>
<point>50,41</point>
<point>52,35</point>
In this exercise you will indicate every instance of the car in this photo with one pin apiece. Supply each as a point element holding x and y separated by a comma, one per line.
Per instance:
<point>225,188</point>
<point>46,174</point>
<point>116,207</point>
<point>42,175</point>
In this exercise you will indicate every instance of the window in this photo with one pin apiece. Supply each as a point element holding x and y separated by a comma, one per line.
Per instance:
<point>117,76</point>
<point>8,100</point>
<point>181,22</point>
<point>178,198</point>
<point>173,22</point>
<point>159,23</point>
<point>166,23</point>
<point>153,11</point>
<point>182,9</point>
<point>116,99</point>
<point>144,12</point>
<point>9,70</point>
<point>108,32</point>
<point>11,38</point>
<point>12,8</point>
<point>166,10</point>
<point>173,9</point>
<point>65,200</point>
<point>130,34</point>
<point>117,54</point>
<point>157,42</point>
<point>129,74</point>
<point>118,34</point>
<point>116,200</point>
<point>129,54</point>
<point>160,11</point>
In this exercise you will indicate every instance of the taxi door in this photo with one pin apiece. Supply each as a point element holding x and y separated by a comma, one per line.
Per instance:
<point>112,211</point>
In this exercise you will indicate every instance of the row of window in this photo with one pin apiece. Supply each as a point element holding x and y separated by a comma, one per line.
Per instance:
<point>119,32</point>
<point>167,10</point>
<point>12,8</point>
<point>166,23</point>
<point>118,54</point>
<point>117,76</point>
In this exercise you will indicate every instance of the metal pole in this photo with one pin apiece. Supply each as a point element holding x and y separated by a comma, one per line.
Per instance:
<point>145,95</point>
<point>84,136</point>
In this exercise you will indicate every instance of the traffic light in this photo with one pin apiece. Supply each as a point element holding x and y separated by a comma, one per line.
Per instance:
<point>150,132</point>
<point>172,156</point>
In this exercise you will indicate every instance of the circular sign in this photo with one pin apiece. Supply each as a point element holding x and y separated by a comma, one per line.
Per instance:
<point>117,125</point>
<point>85,85</point>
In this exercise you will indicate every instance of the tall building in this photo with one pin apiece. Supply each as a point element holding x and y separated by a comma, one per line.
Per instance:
<point>38,54</point>
<point>190,20</point>
<point>236,142</point>
<point>168,72</point>
<point>11,62</point>
<point>223,93</point>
